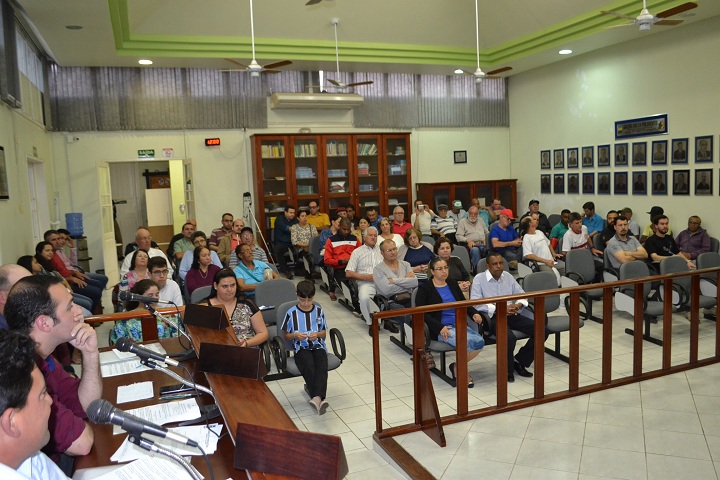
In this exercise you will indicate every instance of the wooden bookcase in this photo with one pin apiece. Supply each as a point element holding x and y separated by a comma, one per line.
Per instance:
<point>446,192</point>
<point>334,169</point>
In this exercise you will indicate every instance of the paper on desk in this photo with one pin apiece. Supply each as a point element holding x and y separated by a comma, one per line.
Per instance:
<point>148,468</point>
<point>115,356</point>
<point>163,413</point>
<point>201,434</point>
<point>122,368</point>
<point>136,391</point>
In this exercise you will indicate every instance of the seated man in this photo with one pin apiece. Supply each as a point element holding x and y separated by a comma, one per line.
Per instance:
<point>228,244</point>
<point>495,282</point>
<point>577,236</point>
<point>694,240</point>
<point>319,220</point>
<point>144,241</point>
<point>218,233</point>
<point>443,225</point>
<point>399,225</point>
<point>650,227</point>
<point>504,239</point>
<point>25,408</point>
<point>623,248</point>
<point>558,231</point>
<point>536,247</point>
<point>338,249</point>
<point>247,236</point>
<point>198,240</point>
<point>422,217</point>
<point>177,237</point>
<point>281,241</point>
<point>473,231</point>
<point>10,273</point>
<point>41,307</point>
<point>360,268</point>
<point>457,211</point>
<point>632,224</point>
<point>371,213</point>
<point>609,231</point>
<point>592,220</point>
<point>394,280</point>
<point>661,245</point>
<point>184,244</point>
<point>544,225</point>
<point>160,274</point>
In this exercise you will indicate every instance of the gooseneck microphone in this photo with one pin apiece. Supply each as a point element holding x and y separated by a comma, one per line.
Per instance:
<point>126,296</point>
<point>124,344</point>
<point>101,411</point>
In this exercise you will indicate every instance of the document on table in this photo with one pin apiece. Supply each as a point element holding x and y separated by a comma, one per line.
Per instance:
<point>163,413</point>
<point>136,391</point>
<point>203,435</point>
<point>148,468</point>
<point>115,362</point>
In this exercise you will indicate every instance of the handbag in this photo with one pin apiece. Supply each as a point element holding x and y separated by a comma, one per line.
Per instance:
<point>403,297</point>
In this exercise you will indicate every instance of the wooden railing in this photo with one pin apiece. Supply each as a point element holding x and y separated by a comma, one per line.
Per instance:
<point>147,320</point>
<point>426,417</point>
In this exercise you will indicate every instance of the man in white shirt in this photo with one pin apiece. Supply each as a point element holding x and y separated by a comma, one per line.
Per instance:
<point>577,236</point>
<point>160,273</point>
<point>360,268</point>
<point>473,231</point>
<point>198,240</point>
<point>422,217</point>
<point>144,240</point>
<point>536,247</point>
<point>26,410</point>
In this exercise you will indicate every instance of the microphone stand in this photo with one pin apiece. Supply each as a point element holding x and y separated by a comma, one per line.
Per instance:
<point>151,447</point>
<point>189,353</point>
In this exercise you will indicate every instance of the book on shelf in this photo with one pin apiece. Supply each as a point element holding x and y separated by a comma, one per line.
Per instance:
<point>272,151</point>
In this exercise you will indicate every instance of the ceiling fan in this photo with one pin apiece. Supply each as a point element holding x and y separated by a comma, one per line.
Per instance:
<point>646,19</point>
<point>478,73</point>
<point>338,84</point>
<point>255,68</point>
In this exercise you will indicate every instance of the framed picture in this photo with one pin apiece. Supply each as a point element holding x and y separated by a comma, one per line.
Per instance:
<point>559,183</point>
<point>573,185</point>
<point>681,182</point>
<point>621,155</point>
<point>639,183</point>
<point>460,156</point>
<point>545,159</point>
<point>639,153</point>
<point>704,149</point>
<point>545,184</point>
<point>559,156</point>
<point>679,150</point>
<point>604,183</point>
<point>603,155</point>
<point>621,187</point>
<point>588,183</point>
<point>587,157</point>
<point>704,181</point>
<point>659,152</point>
<point>4,188</point>
<point>572,157</point>
<point>659,182</point>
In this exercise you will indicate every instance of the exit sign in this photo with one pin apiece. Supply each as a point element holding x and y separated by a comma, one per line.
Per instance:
<point>147,153</point>
<point>211,142</point>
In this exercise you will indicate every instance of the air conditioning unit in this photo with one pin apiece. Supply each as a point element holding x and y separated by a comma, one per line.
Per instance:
<point>315,101</point>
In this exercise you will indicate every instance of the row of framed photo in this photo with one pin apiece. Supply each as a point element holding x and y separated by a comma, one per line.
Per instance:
<point>622,183</point>
<point>637,156</point>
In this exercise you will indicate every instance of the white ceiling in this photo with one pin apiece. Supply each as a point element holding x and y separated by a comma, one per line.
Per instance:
<point>288,29</point>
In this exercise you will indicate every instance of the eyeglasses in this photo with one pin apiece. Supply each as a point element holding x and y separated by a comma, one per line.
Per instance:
<point>441,268</point>
<point>162,273</point>
<point>388,250</point>
<point>693,223</point>
<point>149,237</point>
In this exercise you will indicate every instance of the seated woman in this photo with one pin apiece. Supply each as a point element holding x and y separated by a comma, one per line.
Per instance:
<point>305,326</point>
<point>202,271</point>
<point>138,270</point>
<point>457,273</point>
<point>329,232</point>
<point>416,254</point>
<point>385,232</point>
<point>300,235</point>
<point>359,232</point>
<point>250,272</point>
<point>43,256</point>
<point>442,323</point>
<point>132,328</point>
<point>245,318</point>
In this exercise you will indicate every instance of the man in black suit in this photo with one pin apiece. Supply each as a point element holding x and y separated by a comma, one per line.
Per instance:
<point>620,157</point>
<point>639,184</point>
<point>659,184</point>
<point>681,185</point>
<point>680,153</point>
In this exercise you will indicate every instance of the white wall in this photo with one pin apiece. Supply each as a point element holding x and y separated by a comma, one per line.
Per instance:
<point>574,103</point>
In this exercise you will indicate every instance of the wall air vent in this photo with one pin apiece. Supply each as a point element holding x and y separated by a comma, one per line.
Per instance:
<point>315,101</point>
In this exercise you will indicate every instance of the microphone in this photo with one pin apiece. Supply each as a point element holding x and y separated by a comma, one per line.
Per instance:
<point>102,411</point>
<point>124,344</point>
<point>126,296</point>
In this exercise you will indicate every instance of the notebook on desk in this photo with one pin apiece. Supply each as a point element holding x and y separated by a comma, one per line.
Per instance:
<point>206,316</point>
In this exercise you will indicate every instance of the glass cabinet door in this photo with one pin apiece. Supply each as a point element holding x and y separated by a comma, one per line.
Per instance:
<point>368,169</point>
<point>396,155</point>
<point>305,153</point>
<point>274,178</point>
<point>339,182</point>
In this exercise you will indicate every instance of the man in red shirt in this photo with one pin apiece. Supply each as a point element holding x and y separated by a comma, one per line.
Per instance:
<point>338,249</point>
<point>399,225</point>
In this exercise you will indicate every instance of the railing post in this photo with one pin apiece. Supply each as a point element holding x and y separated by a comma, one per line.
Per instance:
<point>574,368</point>
<point>461,364</point>
<point>376,374</point>
<point>607,336</point>
<point>418,335</point>
<point>667,323</point>
<point>694,316</point>
<point>539,380</point>
<point>638,318</point>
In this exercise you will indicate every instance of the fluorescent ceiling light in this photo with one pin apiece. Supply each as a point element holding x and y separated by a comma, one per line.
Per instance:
<point>566,51</point>
<point>459,71</point>
<point>145,62</point>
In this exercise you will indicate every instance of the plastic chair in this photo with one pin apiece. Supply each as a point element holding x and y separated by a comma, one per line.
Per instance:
<point>554,219</point>
<point>464,256</point>
<point>714,245</point>
<point>199,293</point>
<point>272,293</point>
<point>580,270</point>
<point>708,282</point>
<point>682,285</point>
<point>625,298</point>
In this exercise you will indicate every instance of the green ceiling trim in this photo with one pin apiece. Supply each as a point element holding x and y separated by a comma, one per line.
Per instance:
<point>561,34</point>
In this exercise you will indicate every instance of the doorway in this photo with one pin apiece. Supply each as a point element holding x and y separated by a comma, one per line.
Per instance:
<point>37,189</point>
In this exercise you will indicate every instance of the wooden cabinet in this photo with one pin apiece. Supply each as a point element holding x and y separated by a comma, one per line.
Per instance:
<point>334,169</point>
<point>446,192</point>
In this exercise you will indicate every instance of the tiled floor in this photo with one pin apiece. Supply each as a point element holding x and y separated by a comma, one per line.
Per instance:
<point>667,428</point>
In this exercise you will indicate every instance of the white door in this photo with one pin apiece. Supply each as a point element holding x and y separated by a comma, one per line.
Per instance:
<point>107,224</point>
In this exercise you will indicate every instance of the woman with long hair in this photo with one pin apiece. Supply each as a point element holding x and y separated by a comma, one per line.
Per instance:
<point>202,271</point>
<point>138,270</point>
<point>385,233</point>
<point>43,256</point>
<point>132,328</point>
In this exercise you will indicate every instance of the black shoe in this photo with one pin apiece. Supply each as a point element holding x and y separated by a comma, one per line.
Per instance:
<point>511,378</point>
<point>357,313</point>
<point>289,275</point>
<point>390,327</point>
<point>370,330</point>
<point>522,371</point>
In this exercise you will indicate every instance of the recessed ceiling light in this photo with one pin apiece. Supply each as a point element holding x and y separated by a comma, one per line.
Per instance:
<point>145,62</point>
<point>565,52</point>
<point>73,27</point>
<point>459,71</point>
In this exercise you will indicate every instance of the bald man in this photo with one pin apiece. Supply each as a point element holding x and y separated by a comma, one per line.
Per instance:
<point>10,273</point>
<point>144,241</point>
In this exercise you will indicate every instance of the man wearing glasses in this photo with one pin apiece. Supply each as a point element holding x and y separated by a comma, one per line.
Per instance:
<point>160,273</point>
<point>694,240</point>
<point>144,241</point>
<point>321,221</point>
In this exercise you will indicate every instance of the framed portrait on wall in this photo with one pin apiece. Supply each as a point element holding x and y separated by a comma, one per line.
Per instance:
<point>587,157</point>
<point>559,158</point>
<point>588,185</point>
<point>603,183</point>
<point>621,155</point>
<point>573,185</point>
<point>572,158</point>
<point>659,152</point>
<point>639,155</point>
<point>704,181</point>
<point>545,159</point>
<point>681,182</point>
<point>704,149</point>
<point>658,178</point>
<point>545,183</point>
<point>679,150</point>
<point>559,182</point>
<point>603,156</point>
<point>621,183</point>
<point>639,183</point>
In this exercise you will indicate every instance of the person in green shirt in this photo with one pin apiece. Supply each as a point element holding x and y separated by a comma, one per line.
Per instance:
<point>558,231</point>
